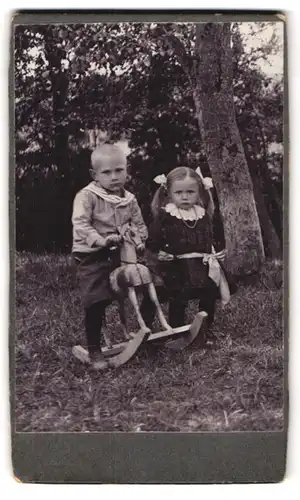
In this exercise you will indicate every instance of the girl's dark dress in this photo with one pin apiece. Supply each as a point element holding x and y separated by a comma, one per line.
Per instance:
<point>188,277</point>
<point>180,280</point>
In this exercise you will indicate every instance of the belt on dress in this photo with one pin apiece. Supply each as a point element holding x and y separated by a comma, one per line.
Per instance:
<point>215,271</point>
<point>208,258</point>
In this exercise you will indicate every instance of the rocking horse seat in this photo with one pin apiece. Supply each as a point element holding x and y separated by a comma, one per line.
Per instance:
<point>131,275</point>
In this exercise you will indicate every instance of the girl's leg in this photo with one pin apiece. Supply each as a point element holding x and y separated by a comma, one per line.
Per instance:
<point>160,314</point>
<point>176,312</point>
<point>134,301</point>
<point>148,307</point>
<point>207,303</point>
<point>148,310</point>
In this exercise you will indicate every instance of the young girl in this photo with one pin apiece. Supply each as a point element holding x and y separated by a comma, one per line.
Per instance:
<point>181,237</point>
<point>100,212</point>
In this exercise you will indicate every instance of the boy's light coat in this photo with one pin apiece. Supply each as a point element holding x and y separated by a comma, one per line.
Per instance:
<point>97,215</point>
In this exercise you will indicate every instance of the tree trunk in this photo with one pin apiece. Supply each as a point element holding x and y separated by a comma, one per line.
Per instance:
<point>273,204</point>
<point>213,96</point>
<point>270,238</point>
<point>60,83</point>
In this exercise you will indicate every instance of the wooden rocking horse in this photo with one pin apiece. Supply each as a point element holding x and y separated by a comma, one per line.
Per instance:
<point>132,275</point>
<point>124,281</point>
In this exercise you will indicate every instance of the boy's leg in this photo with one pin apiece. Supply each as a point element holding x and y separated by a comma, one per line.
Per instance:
<point>93,274</point>
<point>94,316</point>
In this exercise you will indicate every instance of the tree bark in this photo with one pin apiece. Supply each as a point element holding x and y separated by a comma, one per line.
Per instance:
<point>59,86</point>
<point>270,238</point>
<point>60,83</point>
<point>273,204</point>
<point>213,97</point>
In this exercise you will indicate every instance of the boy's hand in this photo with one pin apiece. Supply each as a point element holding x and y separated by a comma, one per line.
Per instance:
<point>140,248</point>
<point>113,239</point>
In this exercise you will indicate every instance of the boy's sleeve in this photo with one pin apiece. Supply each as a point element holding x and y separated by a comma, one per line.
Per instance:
<point>82,217</point>
<point>138,220</point>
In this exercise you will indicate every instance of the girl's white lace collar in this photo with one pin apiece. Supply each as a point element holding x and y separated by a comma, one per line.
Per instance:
<point>194,213</point>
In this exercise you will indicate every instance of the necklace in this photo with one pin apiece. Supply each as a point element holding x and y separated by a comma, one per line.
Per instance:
<point>194,223</point>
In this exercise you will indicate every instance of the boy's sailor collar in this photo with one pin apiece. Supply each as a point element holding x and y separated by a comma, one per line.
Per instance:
<point>112,198</point>
<point>194,213</point>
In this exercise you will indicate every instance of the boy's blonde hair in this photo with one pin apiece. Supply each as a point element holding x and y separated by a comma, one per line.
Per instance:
<point>107,151</point>
<point>162,197</point>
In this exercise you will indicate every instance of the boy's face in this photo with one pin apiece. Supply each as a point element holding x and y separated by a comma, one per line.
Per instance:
<point>185,193</point>
<point>110,172</point>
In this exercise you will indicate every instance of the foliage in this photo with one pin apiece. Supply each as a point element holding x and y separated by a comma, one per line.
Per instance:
<point>132,81</point>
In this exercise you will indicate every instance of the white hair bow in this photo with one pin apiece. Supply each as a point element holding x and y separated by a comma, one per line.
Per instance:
<point>207,181</point>
<point>160,179</point>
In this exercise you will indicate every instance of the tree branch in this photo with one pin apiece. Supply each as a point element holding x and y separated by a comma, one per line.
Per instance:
<point>174,43</point>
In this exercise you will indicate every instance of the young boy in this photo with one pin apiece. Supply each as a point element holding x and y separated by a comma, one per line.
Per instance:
<point>100,209</point>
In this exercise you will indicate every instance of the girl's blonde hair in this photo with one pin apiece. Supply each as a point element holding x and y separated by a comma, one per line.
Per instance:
<point>162,197</point>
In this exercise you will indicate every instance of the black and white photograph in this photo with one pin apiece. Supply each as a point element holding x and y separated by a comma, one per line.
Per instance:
<point>149,161</point>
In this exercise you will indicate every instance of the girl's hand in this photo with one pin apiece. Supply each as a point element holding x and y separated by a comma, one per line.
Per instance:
<point>165,256</point>
<point>113,239</point>
<point>221,255</point>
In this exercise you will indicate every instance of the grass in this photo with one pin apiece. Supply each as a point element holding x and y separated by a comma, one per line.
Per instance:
<point>236,386</point>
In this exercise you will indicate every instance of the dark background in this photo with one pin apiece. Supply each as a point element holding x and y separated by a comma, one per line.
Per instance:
<point>69,90</point>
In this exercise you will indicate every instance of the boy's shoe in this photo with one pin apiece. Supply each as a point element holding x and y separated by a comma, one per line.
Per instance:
<point>210,338</point>
<point>98,361</point>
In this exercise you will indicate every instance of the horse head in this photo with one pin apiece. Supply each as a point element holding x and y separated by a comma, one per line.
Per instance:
<point>131,240</point>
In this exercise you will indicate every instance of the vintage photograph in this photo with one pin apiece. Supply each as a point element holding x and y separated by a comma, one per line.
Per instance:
<point>149,227</point>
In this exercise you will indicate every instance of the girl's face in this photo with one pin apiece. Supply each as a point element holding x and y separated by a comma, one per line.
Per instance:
<point>185,193</point>
<point>111,174</point>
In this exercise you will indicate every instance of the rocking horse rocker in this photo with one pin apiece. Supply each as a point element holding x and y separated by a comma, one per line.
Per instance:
<point>124,281</point>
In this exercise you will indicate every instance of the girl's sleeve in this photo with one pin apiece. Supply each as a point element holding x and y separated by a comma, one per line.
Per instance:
<point>138,220</point>
<point>82,219</point>
<point>215,231</point>
<point>155,238</point>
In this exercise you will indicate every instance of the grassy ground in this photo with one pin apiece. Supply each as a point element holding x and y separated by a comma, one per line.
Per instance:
<point>236,386</point>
